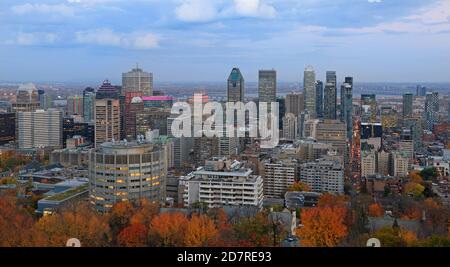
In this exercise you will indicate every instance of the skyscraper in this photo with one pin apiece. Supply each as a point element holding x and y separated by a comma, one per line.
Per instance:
<point>75,105</point>
<point>294,103</point>
<point>309,85</point>
<point>347,105</point>
<point>329,102</point>
<point>407,105</point>
<point>44,102</point>
<point>421,90</point>
<point>107,114</point>
<point>431,110</point>
<point>88,104</point>
<point>137,81</point>
<point>7,127</point>
<point>319,99</point>
<point>331,78</point>
<point>235,91</point>
<point>369,108</point>
<point>267,86</point>
<point>27,98</point>
<point>40,128</point>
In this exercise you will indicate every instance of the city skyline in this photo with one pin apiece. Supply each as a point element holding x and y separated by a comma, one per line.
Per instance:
<point>175,40</point>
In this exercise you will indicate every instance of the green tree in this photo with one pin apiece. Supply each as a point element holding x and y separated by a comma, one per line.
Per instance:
<point>429,173</point>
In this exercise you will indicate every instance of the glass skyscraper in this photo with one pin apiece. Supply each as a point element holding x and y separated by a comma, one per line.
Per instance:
<point>319,99</point>
<point>267,86</point>
<point>235,86</point>
<point>309,85</point>
<point>347,105</point>
<point>407,105</point>
<point>431,110</point>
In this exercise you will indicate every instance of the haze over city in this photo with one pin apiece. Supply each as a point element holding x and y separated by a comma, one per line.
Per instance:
<point>201,40</point>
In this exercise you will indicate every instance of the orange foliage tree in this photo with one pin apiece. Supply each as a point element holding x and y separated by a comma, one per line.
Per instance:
<point>322,226</point>
<point>168,230</point>
<point>200,231</point>
<point>375,210</point>
<point>134,235</point>
<point>15,223</point>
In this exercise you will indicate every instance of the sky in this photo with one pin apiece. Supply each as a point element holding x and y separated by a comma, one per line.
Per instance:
<point>202,40</point>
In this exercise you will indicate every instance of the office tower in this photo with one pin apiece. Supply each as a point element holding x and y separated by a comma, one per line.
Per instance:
<point>407,105</point>
<point>235,87</point>
<point>152,119</point>
<point>421,90</point>
<point>88,104</point>
<point>431,110</point>
<point>267,86</point>
<point>137,80</point>
<point>290,127</point>
<point>383,162</point>
<point>74,105</point>
<point>416,126</point>
<point>282,111</point>
<point>40,128</point>
<point>140,171</point>
<point>133,106</point>
<point>319,99</point>
<point>400,164</point>
<point>44,100</point>
<point>222,182</point>
<point>368,163</point>
<point>332,132</point>
<point>323,176</point>
<point>107,114</point>
<point>329,102</point>
<point>278,175</point>
<point>294,103</point>
<point>7,127</point>
<point>389,117</point>
<point>73,128</point>
<point>331,78</point>
<point>369,108</point>
<point>347,105</point>
<point>406,143</point>
<point>309,91</point>
<point>27,98</point>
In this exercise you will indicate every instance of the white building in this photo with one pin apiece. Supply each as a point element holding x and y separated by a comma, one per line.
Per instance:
<point>323,176</point>
<point>278,176</point>
<point>39,129</point>
<point>222,182</point>
<point>400,164</point>
<point>368,163</point>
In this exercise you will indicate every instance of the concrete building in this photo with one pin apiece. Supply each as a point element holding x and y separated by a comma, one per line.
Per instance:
<point>294,103</point>
<point>290,127</point>
<point>368,163</point>
<point>309,84</point>
<point>120,171</point>
<point>223,182</point>
<point>39,129</point>
<point>107,114</point>
<point>323,176</point>
<point>267,86</point>
<point>74,105</point>
<point>278,176</point>
<point>400,164</point>
<point>332,132</point>
<point>137,80</point>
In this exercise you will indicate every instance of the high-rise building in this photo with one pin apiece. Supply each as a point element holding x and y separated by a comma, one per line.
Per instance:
<point>140,171</point>
<point>331,78</point>
<point>290,127</point>
<point>27,98</point>
<point>347,105</point>
<point>329,102</point>
<point>309,85</point>
<point>133,106</point>
<point>416,125</point>
<point>400,164</point>
<point>152,119</point>
<point>88,104</point>
<point>407,105</point>
<point>431,110</point>
<point>267,86</point>
<point>421,90</point>
<point>406,143</point>
<point>44,100</point>
<point>137,80</point>
<point>235,86</point>
<point>73,128</point>
<point>332,132</point>
<point>222,182</point>
<point>369,108</point>
<point>7,127</point>
<point>383,162</point>
<point>74,105</point>
<point>368,163</point>
<point>39,129</point>
<point>294,103</point>
<point>107,114</point>
<point>389,117</point>
<point>319,99</point>
<point>278,175</point>
<point>323,176</point>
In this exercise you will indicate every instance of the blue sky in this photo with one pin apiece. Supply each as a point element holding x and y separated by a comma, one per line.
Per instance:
<point>202,40</point>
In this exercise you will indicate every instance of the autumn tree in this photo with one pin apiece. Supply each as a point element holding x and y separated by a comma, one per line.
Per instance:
<point>225,230</point>
<point>144,212</point>
<point>414,189</point>
<point>299,187</point>
<point>135,235</point>
<point>15,223</point>
<point>375,210</point>
<point>254,231</point>
<point>390,237</point>
<point>168,230</point>
<point>76,221</point>
<point>120,216</point>
<point>415,177</point>
<point>200,231</point>
<point>329,200</point>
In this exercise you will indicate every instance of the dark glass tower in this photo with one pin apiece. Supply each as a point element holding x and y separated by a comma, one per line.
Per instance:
<point>235,86</point>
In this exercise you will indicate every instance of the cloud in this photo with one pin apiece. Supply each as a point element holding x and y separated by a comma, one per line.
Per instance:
<point>196,10</point>
<point>34,38</point>
<point>438,13</point>
<point>28,8</point>
<point>107,37</point>
<point>254,8</point>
